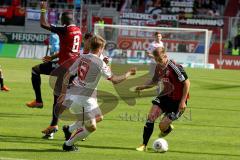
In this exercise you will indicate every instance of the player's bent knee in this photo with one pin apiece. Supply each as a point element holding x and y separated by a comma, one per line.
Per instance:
<point>99,118</point>
<point>151,117</point>
<point>36,70</point>
<point>149,124</point>
<point>91,128</point>
<point>174,116</point>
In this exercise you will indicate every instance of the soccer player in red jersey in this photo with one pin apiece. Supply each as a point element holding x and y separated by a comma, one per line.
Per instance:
<point>70,40</point>
<point>171,101</point>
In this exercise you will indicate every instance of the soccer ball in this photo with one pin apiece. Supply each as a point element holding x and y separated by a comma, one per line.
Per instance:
<point>160,145</point>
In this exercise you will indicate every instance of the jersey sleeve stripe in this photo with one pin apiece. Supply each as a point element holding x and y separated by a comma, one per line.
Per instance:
<point>177,71</point>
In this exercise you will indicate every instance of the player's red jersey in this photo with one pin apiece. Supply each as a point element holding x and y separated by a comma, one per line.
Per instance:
<point>70,42</point>
<point>173,74</point>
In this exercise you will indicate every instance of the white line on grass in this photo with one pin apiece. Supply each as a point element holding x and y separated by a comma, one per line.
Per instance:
<point>6,158</point>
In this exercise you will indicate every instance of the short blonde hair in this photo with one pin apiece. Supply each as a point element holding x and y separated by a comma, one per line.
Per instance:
<point>159,51</point>
<point>97,42</point>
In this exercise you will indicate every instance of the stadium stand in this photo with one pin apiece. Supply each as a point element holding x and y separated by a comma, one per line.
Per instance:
<point>23,15</point>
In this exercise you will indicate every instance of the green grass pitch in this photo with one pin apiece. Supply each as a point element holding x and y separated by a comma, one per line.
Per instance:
<point>212,133</point>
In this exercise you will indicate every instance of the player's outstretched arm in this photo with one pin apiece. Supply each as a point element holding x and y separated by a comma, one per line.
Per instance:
<point>118,79</point>
<point>43,22</point>
<point>149,84</point>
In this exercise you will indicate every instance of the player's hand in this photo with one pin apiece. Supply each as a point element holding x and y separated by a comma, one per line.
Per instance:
<point>138,90</point>
<point>132,71</point>
<point>47,59</point>
<point>182,106</point>
<point>43,5</point>
<point>106,60</point>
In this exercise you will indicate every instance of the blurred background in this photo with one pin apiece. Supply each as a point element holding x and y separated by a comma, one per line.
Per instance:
<point>22,37</point>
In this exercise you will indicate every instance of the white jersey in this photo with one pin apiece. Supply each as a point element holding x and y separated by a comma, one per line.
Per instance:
<point>89,69</point>
<point>154,45</point>
<point>82,95</point>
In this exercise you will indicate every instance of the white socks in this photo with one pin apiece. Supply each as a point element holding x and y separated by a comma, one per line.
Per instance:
<point>81,133</point>
<point>75,126</point>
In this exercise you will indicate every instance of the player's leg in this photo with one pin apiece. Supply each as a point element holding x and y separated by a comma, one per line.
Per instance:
<point>89,127</point>
<point>1,78</point>
<point>171,115</point>
<point>165,126</point>
<point>69,129</point>
<point>53,127</point>
<point>154,113</point>
<point>87,118</point>
<point>43,68</point>
<point>3,87</point>
<point>97,113</point>
<point>68,102</point>
<point>57,92</point>
<point>54,120</point>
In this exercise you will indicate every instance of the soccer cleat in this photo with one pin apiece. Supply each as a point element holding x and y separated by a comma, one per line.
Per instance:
<point>163,134</point>
<point>48,136</point>
<point>34,104</point>
<point>5,88</point>
<point>69,148</point>
<point>142,148</point>
<point>50,129</point>
<point>66,132</point>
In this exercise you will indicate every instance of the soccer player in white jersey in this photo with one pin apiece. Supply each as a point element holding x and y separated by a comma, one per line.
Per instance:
<point>152,46</point>
<point>155,44</point>
<point>86,50</point>
<point>81,97</point>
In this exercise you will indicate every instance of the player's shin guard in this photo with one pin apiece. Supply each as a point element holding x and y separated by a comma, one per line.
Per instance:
<point>54,121</point>
<point>80,134</point>
<point>168,130</point>
<point>36,83</point>
<point>148,130</point>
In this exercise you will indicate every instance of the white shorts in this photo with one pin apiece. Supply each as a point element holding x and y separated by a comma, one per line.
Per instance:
<point>86,107</point>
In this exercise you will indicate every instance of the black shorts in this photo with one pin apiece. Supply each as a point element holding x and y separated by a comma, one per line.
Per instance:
<point>168,106</point>
<point>47,67</point>
<point>53,69</point>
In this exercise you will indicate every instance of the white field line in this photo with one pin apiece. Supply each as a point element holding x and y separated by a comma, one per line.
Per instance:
<point>7,158</point>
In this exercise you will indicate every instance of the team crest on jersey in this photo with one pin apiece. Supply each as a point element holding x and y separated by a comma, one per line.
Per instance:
<point>164,73</point>
<point>165,79</point>
<point>167,72</point>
